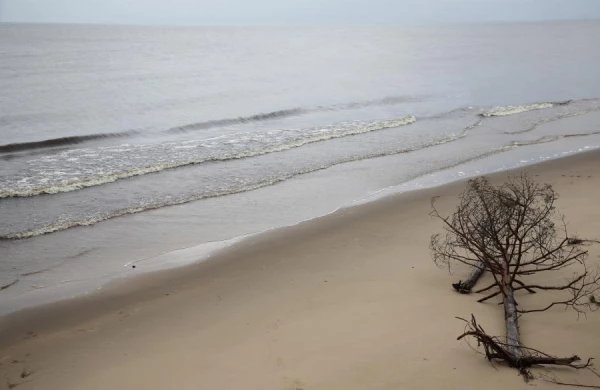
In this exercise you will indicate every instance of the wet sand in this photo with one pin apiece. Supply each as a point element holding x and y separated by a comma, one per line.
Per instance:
<point>348,301</point>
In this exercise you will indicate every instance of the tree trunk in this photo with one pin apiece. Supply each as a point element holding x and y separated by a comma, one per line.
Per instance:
<point>466,286</point>
<point>513,339</point>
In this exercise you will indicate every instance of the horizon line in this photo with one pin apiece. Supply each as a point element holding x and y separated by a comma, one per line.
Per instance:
<point>374,24</point>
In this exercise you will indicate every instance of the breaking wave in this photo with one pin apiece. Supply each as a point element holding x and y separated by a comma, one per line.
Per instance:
<point>79,168</point>
<point>242,187</point>
<point>512,110</point>
<point>279,114</point>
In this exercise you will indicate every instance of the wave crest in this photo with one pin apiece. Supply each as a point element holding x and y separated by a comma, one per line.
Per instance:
<point>512,110</point>
<point>267,116</point>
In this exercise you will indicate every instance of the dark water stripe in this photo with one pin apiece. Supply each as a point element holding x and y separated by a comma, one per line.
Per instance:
<point>53,142</point>
<point>239,120</point>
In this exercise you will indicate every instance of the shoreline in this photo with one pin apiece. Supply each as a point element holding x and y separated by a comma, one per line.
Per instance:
<point>140,284</point>
<point>266,269</point>
<point>189,255</point>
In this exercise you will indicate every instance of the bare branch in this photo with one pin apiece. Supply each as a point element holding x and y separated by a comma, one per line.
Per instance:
<point>513,231</point>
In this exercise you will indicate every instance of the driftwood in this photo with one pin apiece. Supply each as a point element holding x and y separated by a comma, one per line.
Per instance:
<point>512,231</point>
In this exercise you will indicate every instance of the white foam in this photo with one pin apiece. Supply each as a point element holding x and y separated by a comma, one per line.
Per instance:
<point>61,174</point>
<point>512,110</point>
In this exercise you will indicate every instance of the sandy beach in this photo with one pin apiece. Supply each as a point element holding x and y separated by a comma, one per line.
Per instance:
<point>347,301</point>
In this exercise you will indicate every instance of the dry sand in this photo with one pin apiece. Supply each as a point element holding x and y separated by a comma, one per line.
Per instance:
<point>348,301</point>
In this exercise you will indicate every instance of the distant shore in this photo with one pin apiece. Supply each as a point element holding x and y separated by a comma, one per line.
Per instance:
<point>351,300</point>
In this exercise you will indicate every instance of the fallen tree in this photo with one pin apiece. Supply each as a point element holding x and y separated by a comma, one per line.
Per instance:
<point>513,232</point>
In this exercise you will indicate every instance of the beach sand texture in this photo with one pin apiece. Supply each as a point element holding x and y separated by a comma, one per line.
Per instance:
<point>347,301</point>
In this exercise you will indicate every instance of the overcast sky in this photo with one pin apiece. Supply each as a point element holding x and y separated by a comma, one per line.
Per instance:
<point>281,12</point>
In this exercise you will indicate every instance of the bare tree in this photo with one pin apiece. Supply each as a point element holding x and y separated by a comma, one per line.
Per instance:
<point>512,231</point>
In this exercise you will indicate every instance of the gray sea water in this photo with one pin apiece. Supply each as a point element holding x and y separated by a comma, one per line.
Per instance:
<point>125,145</point>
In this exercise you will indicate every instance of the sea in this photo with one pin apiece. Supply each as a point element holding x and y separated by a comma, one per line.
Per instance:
<point>128,149</point>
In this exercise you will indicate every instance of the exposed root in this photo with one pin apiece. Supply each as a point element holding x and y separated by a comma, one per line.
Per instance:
<point>461,287</point>
<point>497,350</point>
<point>553,379</point>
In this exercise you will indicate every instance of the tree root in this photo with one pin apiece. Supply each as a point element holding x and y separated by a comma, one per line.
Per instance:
<point>497,350</point>
<point>461,287</point>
